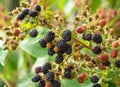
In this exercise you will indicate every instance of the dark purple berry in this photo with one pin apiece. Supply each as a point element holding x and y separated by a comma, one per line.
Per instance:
<point>25,11</point>
<point>59,59</point>
<point>66,35</point>
<point>51,51</point>
<point>41,83</point>
<point>36,78</point>
<point>106,63</point>
<point>50,76</point>
<point>55,83</point>
<point>37,8</point>
<point>42,43</point>
<point>61,44</point>
<point>97,38</point>
<point>37,69</point>
<point>60,53</point>
<point>96,85</point>
<point>33,13</point>
<point>33,33</point>
<point>87,36</point>
<point>46,67</point>
<point>94,79</point>
<point>96,50</point>
<point>49,36</point>
<point>68,49</point>
<point>117,63</point>
<point>67,74</point>
<point>20,16</point>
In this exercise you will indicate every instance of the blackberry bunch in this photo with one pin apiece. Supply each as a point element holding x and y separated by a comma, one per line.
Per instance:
<point>27,11</point>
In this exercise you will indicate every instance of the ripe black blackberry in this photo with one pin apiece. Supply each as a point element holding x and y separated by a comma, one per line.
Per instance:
<point>96,50</point>
<point>49,36</point>
<point>42,43</point>
<point>50,76</point>
<point>41,83</point>
<point>33,33</point>
<point>55,83</point>
<point>117,63</point>
<point>94,79</point>
<point>97,38</point>
<point>106,63</point>
<point>36,78</point>
<point>66,35</point>
<point>37,8</point>
<point>68,49</point>
<point>96,85</point>
<point>67,74</point>
<point>60,53</point>
<point>46,67</point>
<point>20,16</point>
<point>87,36</point>
<point>33,13</point>
<point>59,59</point>
<point>61,44</point>
<point>25,11</point>
<point>51,51</point>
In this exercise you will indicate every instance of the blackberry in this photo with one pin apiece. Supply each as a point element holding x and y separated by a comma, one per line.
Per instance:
<point>59,59</point>
<point>48,65</point>
<point>25,11</point>
<point>33,13</point>
<point>87,37</point>
<point>50,76</point>
<point>36,78</point>
<point>33,33</point>
<point>67,74</point>
<point>38,69</point>
<point>55,83</point>
<point>96,50</point>
<point>51,51</point>
<point>49,36</point>
<point>97,38</point>
<point>68,49</point>
<point>117,63</point>
<point>20,16</point>
<point>106,63</point>
<point>96,85</point>
<point>61,44</point>
<point>42,43</point>
<point>60,53</point>
<point>45,68</point>
<point>94,79</point>
<point>66,35</point>
<point>37,8</point>
<point>41,83</point>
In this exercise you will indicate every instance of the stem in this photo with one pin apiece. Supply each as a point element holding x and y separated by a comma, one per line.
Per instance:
<point>82,43</point>
<point>5,81</point>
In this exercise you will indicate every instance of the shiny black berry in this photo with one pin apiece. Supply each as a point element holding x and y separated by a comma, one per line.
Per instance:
<point>25,11</point>
<point>46,67</point>
<point>87,36</point>
<point>117,63</point>
<point>42,43</point>
<point>67,74</point>
<point>61,44</point>
<point>37,8</point>
<point>97,38</point>
<point>59,59</point>
<point>96,50</point>
<point>55,83</point>
<point>50,76</point>
<point>41,83</point>
<point>60,53</point>
<point>51,51</point>
<point>94,79</point>
<point>66,35</point>
<point>33,13</point>
<point>20,16</point>
<point>68,49</point>
<point>106,63</point>
<point>36,78</point>
<point>96,85</point>
<point>49,36</point>
<point>33,33</point>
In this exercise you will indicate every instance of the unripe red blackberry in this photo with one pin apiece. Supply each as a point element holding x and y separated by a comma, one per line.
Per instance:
<point>47,85</point>
<point>106,63</point>
<point>33,13</point>
<point>49,36</point>
<point>86,57</point>
<point>102,22</point>
<point>20,16</point>
<point>36,78</point>
<point>115,44</point>
<point>114,53</point>
<point>96,50</point>
<point>94,79</point>
<point>81,78</point>
<point>68,49</point>
<point>97,38</point>
<point>103,57</point>
<point>87,36</point>
<point>51,51</point>
<point>50,76</point>
<point>37,7</point>
<point>37,69</point>
<point>96,85</point>
<point>55,83</point>
<point>59,59</point>
<point>33,33</point>
<point>80,29</point>
<point>25,11</point>
<point>16,32</point>
<point>41,83</point>
<point>117,63</point>
<point>66,35</point>
<point>42,43</point>
<point>61,44</point>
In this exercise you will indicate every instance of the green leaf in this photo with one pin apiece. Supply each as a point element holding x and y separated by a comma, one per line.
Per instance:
<point>31,45</point>
<point>3,54</point>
